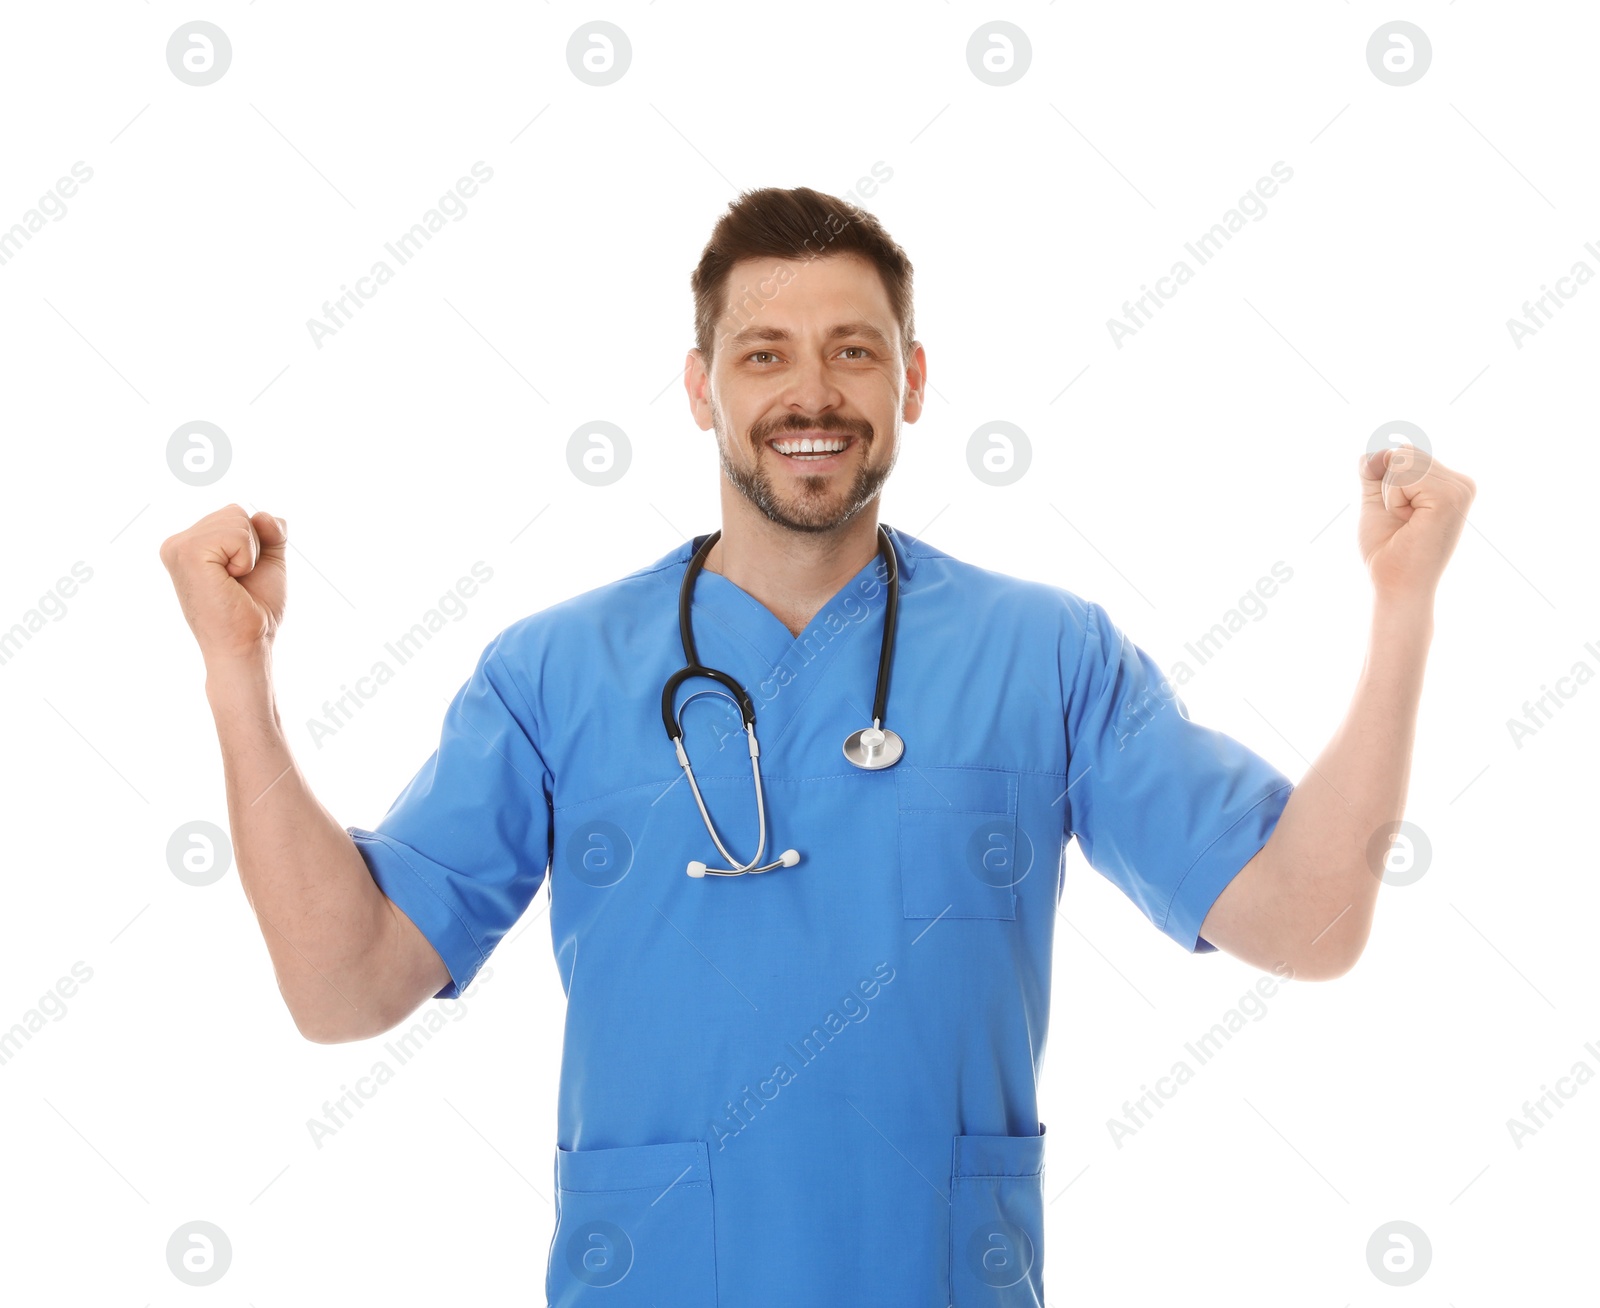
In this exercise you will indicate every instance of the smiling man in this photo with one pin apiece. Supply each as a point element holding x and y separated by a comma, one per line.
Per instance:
<point>806,394</point>
<point>808,979</point>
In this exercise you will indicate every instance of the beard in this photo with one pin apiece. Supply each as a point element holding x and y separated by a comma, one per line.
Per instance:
<point>818,505</point>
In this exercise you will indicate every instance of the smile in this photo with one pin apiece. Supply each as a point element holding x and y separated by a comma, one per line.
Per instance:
<point>810,449</point>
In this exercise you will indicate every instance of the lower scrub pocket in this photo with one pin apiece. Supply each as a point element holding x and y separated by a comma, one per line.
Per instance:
<point>997,1221</point>
<point>634,1228</point>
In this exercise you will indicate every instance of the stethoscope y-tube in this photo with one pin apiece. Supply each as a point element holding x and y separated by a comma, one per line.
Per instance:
<point>871,748</point>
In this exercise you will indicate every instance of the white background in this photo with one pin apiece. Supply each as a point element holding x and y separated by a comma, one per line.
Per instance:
<point>1165,481</point>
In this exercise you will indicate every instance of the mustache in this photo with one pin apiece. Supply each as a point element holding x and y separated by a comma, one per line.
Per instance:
<point>839,426</point>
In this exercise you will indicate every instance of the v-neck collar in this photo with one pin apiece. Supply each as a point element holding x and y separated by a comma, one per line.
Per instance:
<point>771,639</point>
<point>726,612</point>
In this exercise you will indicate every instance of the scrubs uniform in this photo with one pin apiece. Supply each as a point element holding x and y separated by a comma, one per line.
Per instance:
<point>816,1085</point>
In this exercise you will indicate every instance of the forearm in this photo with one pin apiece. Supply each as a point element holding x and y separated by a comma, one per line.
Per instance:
<point>1326,847</point>
<point>319,910</point>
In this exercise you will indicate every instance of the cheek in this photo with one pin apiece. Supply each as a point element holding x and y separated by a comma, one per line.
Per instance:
<point>878,399</point>
<point>738,411</point>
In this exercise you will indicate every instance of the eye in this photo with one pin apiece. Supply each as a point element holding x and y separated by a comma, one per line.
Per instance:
<point>861,350</point>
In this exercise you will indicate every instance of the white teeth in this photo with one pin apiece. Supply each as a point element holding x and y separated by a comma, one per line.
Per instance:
<point>805,445</point>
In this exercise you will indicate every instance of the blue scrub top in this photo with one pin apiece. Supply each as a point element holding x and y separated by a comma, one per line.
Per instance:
<point>817,1085</point>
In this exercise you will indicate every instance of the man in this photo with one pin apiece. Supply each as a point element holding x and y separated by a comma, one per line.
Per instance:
<point>813,1083</point>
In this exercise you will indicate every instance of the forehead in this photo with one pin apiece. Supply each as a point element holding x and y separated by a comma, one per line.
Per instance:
<point>805,294</point>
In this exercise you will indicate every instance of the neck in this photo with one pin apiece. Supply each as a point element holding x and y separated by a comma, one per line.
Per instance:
<point>793,573</point>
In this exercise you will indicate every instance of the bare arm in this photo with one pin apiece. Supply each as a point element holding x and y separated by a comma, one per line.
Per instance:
<point>1319,851</point>
<point>1308,897</point>
<point>349,964</point>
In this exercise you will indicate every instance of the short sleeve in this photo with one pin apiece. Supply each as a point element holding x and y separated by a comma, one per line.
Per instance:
<point>1166,809</point>
<point>466,846</point>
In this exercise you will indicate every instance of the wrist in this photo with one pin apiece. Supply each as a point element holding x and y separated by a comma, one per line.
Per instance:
<point>1402,632</point>
<point>1403,610</point>
<point>231,680</point>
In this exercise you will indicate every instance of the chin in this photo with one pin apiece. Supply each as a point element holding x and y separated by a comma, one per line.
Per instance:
<point>811,517</point>
<point>818,507</point>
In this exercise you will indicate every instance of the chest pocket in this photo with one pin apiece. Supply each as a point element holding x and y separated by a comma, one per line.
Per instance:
<point>957,841</point>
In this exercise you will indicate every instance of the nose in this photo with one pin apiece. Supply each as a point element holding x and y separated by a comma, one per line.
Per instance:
<point>809,389</point>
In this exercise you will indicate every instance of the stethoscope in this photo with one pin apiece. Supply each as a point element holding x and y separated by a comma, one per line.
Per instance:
<point>870,748</point>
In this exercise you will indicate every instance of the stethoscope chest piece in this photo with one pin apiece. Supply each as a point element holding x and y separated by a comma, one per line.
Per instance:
<point>873,748</point>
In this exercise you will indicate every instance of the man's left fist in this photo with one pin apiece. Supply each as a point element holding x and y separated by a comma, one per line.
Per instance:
<point>1412,511</point>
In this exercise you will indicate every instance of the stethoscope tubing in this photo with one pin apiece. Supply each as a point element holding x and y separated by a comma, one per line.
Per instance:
<point>672,718</point>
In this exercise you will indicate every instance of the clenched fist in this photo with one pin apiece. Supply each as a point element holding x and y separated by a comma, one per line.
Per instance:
<point>228,570</point>
<point>1412,511</point>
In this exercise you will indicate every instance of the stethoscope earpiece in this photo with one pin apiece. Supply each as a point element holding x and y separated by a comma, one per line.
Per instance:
<point>697,869</point>
<point>871,748</point>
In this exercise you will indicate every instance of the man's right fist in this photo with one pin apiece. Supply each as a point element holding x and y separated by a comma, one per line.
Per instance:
<point>228,570</point>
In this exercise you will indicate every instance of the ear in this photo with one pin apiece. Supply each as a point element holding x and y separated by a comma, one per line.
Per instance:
<point>916,382</point>
<point>697,386</point>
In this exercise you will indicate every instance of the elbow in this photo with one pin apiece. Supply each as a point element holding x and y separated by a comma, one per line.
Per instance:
<point>1322,969</point>
<point>318,1034</point>
<point>1326,964</point>
<point>320,1029</point>
<point>329,1036</point>
<point>1337,946</point>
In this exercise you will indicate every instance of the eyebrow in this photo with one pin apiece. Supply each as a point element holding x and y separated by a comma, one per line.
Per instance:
<point>751,335</point>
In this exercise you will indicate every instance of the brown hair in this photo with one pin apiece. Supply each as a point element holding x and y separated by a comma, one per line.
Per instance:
<point>796,223</point>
